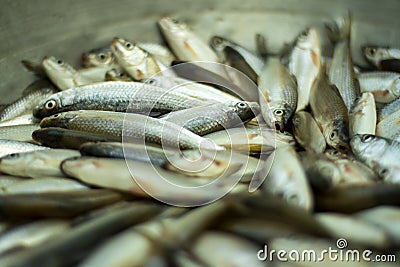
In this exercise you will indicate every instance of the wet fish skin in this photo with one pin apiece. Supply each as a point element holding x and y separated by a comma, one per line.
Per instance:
<point>341,71</point>
<point>35,205</point>
<point>69,139</point>
<point>362,116</point>
<point>287,178</point>
<point>21,120</point>
<point>380,154</point>
<point>305,64</point>
<point>9,147</point>
<point>60,73</point>
<point>115,75</point>
<point>115,96</point>
<point>278,93</point>
<point>31,96</point>
<point>307,132</point>
<point>36,164</point>
<point>131,126</point>
<point>18,132</point>
<point>385,86</point>
<point>141,152</point>
<point>214,117</point>
<point>389,127</point>
<point>330,112</point>
<point>388,109</point>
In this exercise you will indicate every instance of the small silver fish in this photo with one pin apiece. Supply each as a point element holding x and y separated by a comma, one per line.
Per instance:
<point>9,147</point>
<point>385,86</point>
<point>362,116</point>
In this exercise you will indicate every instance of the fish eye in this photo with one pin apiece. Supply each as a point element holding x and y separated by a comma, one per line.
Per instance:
<point>279,112</point>
<point>383,172</point>
<point>51,104</point>
<point>101,56</point>
<point>175,21</point>
<point>13,156</point>
<point>152,81</point>
<point>56,115</point>
<point>128,45</point>
<point>59,62</point>
<point>333,135</point>
<point>217,41</point>
<point>241,105</point>
<point>367,138</point>
<point>372,51</point>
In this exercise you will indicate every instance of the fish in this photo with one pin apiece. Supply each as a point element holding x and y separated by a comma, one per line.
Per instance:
<point>216,248</point>
<point>307,132</point>
<point>25,119</point>
<point>8,147</point>
<point>144,180</point>
<point>380,154</point>
<point>81,239</point>
<point>341,70</point>
<point>36,164</point>
<point>384,217</point>
<point>330,112</point>
<point>305,64</point>
<point>239,63</point>
<point>32,234</point>
<point>69,139</point>
<point>154,238</point>
<point>160,52</point>
<point>185,44</point>
<point>115,75</point>
<point>140,152</point>
<point>351,199</point>
<point>190,88</point>
<point>100,57</point>
<point>128,126</point>
<point>389,127</point>
<point>278,93</point>
<point>115,96</point>
<point>214,117</point>
<point>138,63</point>
<point>254,140</point>
<point>62,74</point>
<point>388,109</point>
<point>362,116</point>
<point>45,185</point>
<point>218,44</point>
<point>287,178</point>
<point>18,132</point>
<point>377,54</point>
<point>31,96</point>
<point>73,203</point>
<point>385,86</point>
<point>8,180</point>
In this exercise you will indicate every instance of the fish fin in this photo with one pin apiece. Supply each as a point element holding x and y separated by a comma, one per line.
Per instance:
<point>340,29</point>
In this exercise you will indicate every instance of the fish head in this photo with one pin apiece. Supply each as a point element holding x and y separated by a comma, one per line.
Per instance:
<point>375,54</point>
<point>58,120</point>
<point>367,146</point>
<point>218,44</point>
<point>98,58</point>
<point>115,75</point>
<point>308,39</point>
<point>336,135</point>
<point>56,66</point>
<point>47,107</point>
<point>172,27</point>
<point>281,113</point>
<point>127,51</point>
<point>246,110</point>
<point>11,160</point>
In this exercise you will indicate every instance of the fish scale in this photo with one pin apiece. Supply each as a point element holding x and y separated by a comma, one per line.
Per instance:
<point>119,97</point>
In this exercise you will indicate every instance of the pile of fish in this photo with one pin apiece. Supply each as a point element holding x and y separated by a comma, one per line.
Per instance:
<point>293,150</point>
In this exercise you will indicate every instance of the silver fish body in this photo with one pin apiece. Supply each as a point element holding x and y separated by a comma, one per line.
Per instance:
<point>385,86</point>
<point>115,96</point>
<point>389,127</point>
<point>36,164</point>
<point>31,96</point>
<point>330,112</point>
<point>18,132</point>
<point>9,147</point>
<point>376,54</point>
<point>278,93</point>
<point>380,154</point>
<point>130,126</point>
<point>388,109</point>
<point>305,64</point>
<point>214,117</point>
<point>307,132</point>
<point>25,119</point>
<point>362,116</point>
